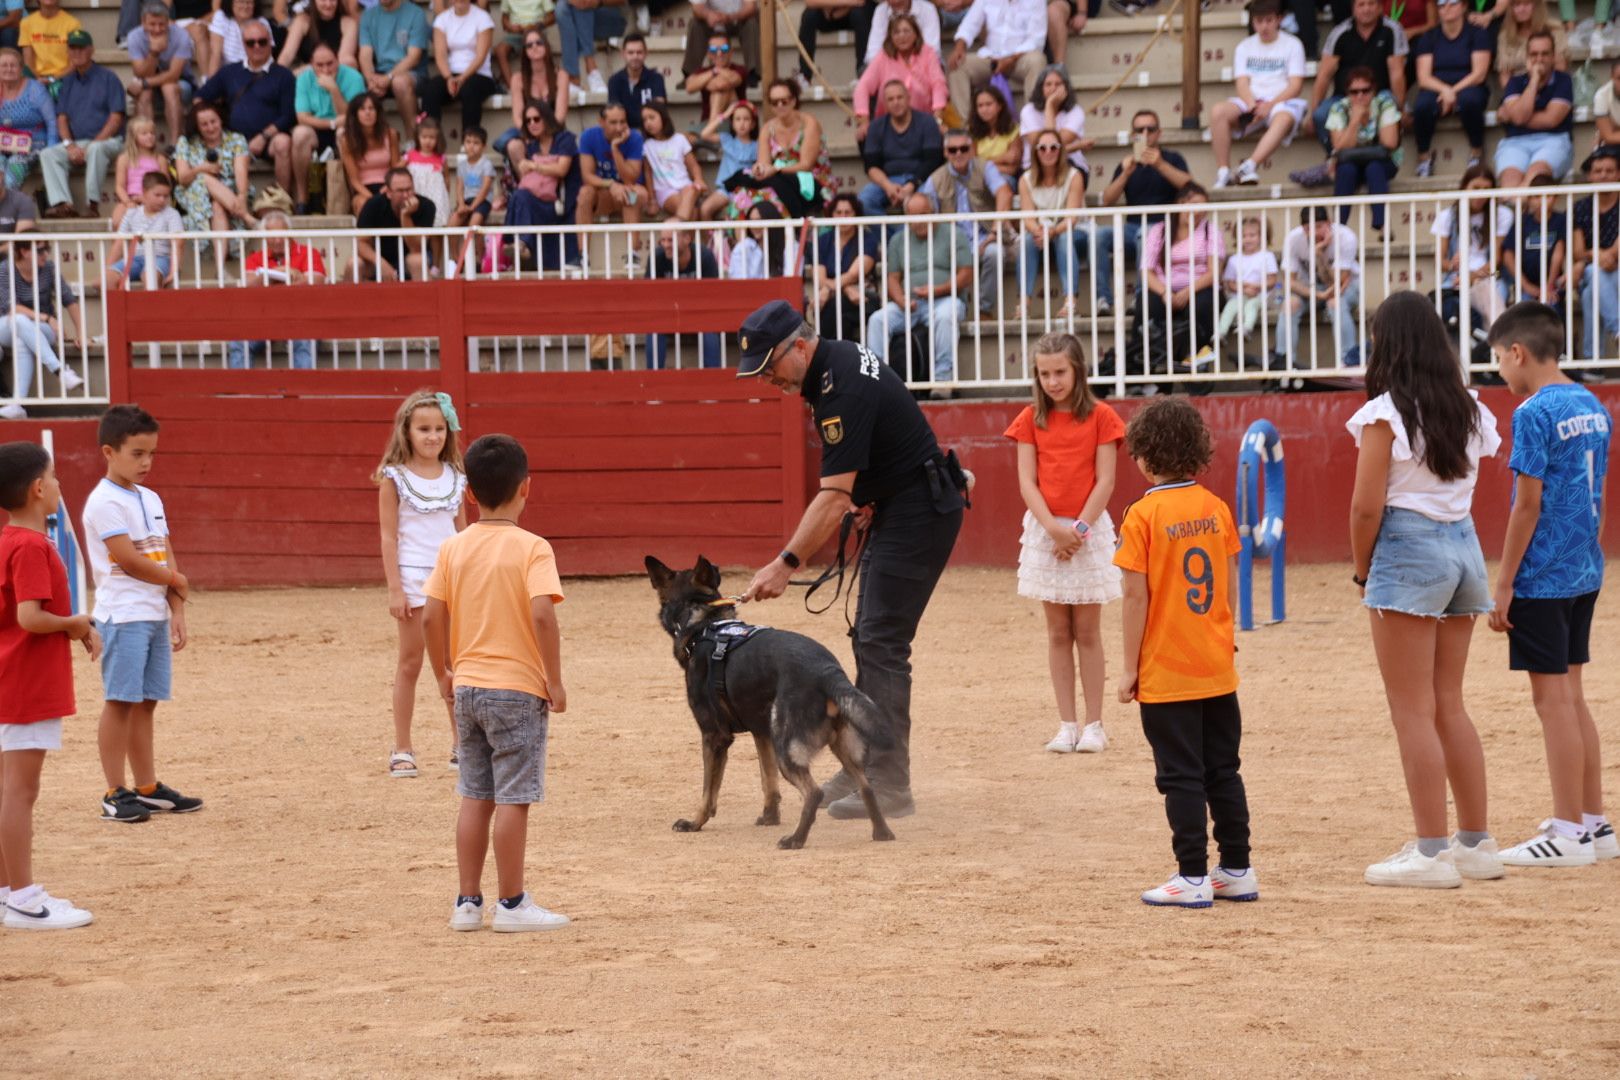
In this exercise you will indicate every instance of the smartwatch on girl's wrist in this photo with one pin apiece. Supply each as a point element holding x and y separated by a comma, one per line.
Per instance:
<point>1081,527</point>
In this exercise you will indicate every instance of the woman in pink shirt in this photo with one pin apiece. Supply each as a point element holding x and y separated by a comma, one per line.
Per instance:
<point>1182,299</point>
<point>907,59</point>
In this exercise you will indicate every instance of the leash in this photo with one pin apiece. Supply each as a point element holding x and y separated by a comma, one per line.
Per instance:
<point>846,564</point>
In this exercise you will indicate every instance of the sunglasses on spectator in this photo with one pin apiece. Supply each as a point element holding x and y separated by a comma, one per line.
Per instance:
<point>1049,148</point>
<point>719,48</point>
<point>958,149</point>
<point>1360,90</point>
<point>1145,130</point>
<point>781,100</point>
<point>255,42</point>
<point>535,118</point>
<point>534,44</point>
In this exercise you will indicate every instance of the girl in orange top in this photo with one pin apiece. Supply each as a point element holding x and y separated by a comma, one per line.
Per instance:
<point>1068,444</point>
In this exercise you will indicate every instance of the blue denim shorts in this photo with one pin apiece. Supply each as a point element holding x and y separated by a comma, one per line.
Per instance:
<point>137,663</point>
<point>1426,567</point>
<point>502,737</point>
<point>1555,149</point>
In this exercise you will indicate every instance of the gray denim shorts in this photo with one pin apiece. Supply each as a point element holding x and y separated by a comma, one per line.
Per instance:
<point>503,745</point>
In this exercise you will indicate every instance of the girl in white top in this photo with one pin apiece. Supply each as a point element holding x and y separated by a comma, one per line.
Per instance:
<point>1250,280</point>
<point>420,503</point>
<point>1422,576</point>
<point>677,180</point>
<point>1053,108</point>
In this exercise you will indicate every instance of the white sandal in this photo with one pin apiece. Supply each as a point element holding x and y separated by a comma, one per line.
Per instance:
<point>401,763</point>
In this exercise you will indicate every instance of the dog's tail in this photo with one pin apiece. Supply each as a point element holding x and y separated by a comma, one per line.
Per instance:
<point>864,715</point>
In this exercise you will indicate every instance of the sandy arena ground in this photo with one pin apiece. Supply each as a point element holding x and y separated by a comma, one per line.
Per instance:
<point>297,925</point>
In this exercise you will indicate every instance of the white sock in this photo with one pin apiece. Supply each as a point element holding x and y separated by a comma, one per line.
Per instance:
<point>26,896</point>
<point>1569,830</point>
<point>1593,822</point>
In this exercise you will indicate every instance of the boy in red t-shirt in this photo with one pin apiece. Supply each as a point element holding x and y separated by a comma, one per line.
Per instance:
<point>36,668</point>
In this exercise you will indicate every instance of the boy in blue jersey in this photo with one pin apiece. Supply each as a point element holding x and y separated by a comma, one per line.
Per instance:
<point>1552,569</point>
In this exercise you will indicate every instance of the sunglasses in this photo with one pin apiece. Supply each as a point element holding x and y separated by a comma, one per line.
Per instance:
<point>1048,148</point>
<point>535,44</point>
<point>257,42</point>
<point>1145,130</point>
<point>958,149</point>
<point>719,48</point>
<point>534,119</point>
<point>1358,90</point>
<point>781,101</point>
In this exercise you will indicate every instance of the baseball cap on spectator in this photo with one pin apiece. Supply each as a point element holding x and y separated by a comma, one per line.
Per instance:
<point>79,39</point>
<point>762,332</point>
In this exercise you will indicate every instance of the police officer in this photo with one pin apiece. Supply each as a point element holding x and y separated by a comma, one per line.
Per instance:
<point>879,454</point>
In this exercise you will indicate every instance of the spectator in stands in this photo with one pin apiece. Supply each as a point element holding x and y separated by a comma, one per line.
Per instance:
<point>762,252</point>
<point>1181,261</point>
<point>907,59</point>
<point>739,18</point>
<point>1053,186</point>
<point>611,168</point>
<point>1365,40</point>
<point>160,56</point>
<point>966,185</point>
<point>141,155</point>
<point>259,96</point>
<point>928,270</point>
<point>1521,19</point>
<point>1014,48</point>
<point>17,210</point>
<point>822,16</point>
<point>717,79</point>
<point>576,22</point>
<point>29,327</point>
<point>1537,113</point>
<point>463,35</point>
<point>1149,176</point>
<point>846,255</point>
<point>995,132</point>
<point>1488,222</point>
<point>323,22</point>
<point>519,19</point>
<point>321,98</point>
<point>43,37</point>
<point>928,24</point>
<point>1052,107</point>
<point>790,146</point>
<point>537,80</point>
<point>152,215</point>
<point>1268,71</point>
<point>393,258</point>
<point>1606,108</point>
<point>278,261</point>
<point>211,164</point>
<point>394,55</point>
<point>1596,241</point>
<point>739,149</point>
<point>674,176</point>
<point>26,106</point>
<point>369,148</point>
<point>1320,271</point>
<point>545,163</point>
<point>1365,127</point>
<point>231,20</point>
<point>1533,249</point>
<point>1453,62</point>
<point>90,120</point>
<point>679,257</point>
<point>899,151</point>
<point>635,84</point>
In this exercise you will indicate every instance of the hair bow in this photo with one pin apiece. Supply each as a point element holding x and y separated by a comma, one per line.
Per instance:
<point>449,410</point>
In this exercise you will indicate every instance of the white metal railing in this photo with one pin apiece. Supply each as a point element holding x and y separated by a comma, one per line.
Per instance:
<point>981,341</point>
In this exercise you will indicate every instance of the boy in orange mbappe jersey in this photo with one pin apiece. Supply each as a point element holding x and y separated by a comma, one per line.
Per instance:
<point>1178,548</point>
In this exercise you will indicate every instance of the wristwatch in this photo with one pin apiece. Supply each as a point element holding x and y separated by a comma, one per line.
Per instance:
<point>1361,581</point>
<point>791,559</point>
<point>1081,527</point>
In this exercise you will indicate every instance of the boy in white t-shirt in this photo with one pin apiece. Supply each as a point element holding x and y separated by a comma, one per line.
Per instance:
<point>1268,73</point>
<point>1320,270</point>
<point>1251,275</point>
<point>140,612</point>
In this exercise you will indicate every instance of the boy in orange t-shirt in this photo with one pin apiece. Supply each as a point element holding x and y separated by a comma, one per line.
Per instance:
<point>492,637</point>
<point>1178,548</point>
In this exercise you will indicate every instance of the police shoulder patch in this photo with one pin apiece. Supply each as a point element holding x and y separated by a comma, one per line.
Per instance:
<point>832,430</point>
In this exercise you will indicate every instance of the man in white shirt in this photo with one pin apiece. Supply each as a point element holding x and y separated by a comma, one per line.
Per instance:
<point>1606,108</point>
<point>1268,72</point>
<point>926,14</point>
<point>1014,45</point>
<point>1319,270</point>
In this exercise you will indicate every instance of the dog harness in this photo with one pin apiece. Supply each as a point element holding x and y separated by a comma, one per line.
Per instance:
<point>713,642</point>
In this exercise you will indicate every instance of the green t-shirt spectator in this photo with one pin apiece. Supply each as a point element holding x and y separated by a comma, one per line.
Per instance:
<point>310,97</point>
<point>390,33</point>
<point>1381,113</point>
<point>919,262</point>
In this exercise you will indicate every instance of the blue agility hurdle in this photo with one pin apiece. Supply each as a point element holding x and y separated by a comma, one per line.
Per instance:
<point>1261,529</point>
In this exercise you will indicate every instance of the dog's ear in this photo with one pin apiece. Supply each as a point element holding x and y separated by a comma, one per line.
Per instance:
<point>705,573</point>
<point>658,573</point>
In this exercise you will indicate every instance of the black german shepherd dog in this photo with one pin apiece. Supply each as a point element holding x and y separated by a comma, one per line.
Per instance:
<point>784,689</point>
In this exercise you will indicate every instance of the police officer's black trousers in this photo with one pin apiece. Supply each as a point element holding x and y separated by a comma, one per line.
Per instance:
<point>1195,761</point>
<point>910,543</point>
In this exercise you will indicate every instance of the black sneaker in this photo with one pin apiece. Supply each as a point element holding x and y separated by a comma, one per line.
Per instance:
<point>123,805</point>
<point>166,800</point>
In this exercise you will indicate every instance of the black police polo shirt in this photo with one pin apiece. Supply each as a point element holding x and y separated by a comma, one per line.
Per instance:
<point>868,421</point>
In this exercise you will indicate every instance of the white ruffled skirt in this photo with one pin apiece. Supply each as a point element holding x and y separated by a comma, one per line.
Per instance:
<point>1089,577</point>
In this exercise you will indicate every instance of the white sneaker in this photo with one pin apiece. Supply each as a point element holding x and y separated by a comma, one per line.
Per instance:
<point>1234,884</point>
<point>1482,862</point>
<point>1181,892</point>
<point>1547,848</point>
<point>13,411</point>
<point>1247,174</point>
<point>1065,742</point>
<point>467,915</point>
<point>71,379</point>
<point>1409,868</point>
<point>526,916</point>
<point>47,913</point>
<point>597,84</point>
<point>1604,844</point>
<point>1093,740</point>
<point>1223,177</point>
